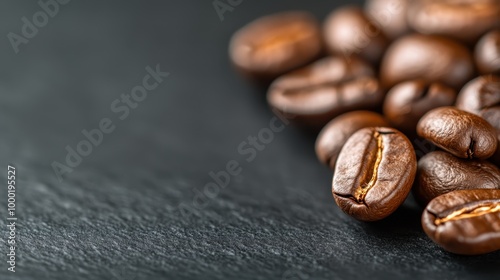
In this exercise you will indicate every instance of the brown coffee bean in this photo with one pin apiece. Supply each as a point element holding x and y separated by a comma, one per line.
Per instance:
<point>440,172</point>
<point>459,132</point>
<point>487,53</point>
<point>464,222</point>
<point>390,16</point>
<point>481,96</point>
<point>374,173</point>
<point>314,95</point>
<point>348,31</point>
<point>275,44</point>
<point>334,135</point>
<point>465,20</point>
<point>430,58</point>
<point>407,102</point>
<point>493,117</point>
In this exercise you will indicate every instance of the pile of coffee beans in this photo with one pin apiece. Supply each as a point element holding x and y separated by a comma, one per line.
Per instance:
<point>369,80</point>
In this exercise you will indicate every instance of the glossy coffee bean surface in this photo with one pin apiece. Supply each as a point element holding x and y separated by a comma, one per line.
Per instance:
<point>348,31</point>
<point>430,58</point>
<point>493,117</point>
<point>464,222</point>
<point>461,133</point>
<point>440,172</point>
<point>390,16</point>
<point>275,44</point>
<point>334,135</point>
<point>487,53</point>
<point>374,173</point>
<point>465,20</point>
<point>407,102</point>
<point>314,95</point>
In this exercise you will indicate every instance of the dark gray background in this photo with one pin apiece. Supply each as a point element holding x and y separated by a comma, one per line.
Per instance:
<point>116,216</point>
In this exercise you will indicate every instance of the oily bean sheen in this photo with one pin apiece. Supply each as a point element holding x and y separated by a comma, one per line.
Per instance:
<point>461,133</point>
<point>464,222</point>
<point>314,95</point>
<point>390,15</point>
<point>481,96</point>
<point>466,20</point>
<point>348,31</point>
<point>407,102</point>
<point>374,173</point>
<point>440,172</point>
<point>334,135</point>
<point>487,53</point>
<point>431,58</point>
<point>275,44</point>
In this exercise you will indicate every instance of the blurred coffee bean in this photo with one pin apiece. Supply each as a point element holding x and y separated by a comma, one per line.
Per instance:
<point>461,133</point>
<point>374,173</point>
<point>465,20</point>
<point>348,31</point>
<point>390,16</point>
<point>334,135</point>
<point>407,102</point>
<point>464,222</point>
<point>440,172</point>
<point>275,44</point>
<point>431,58</point>
<point>487,53</point>
<point>314,95</point>
<point>481,96</point>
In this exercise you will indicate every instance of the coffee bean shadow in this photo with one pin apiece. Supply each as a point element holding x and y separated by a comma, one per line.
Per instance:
<point>480,265</point>
<point>406,219</point>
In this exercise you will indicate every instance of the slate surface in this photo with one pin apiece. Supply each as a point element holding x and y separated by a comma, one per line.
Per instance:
<point>116,216</point>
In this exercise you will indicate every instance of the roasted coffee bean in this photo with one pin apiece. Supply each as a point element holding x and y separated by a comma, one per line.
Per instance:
<point>480,94</point>
<point>459,132</point>
<point>334,135</point>
<point>348,31</point>
<point>493,117</point>
<point>316,94</point>
<point>275,44</point>
<point>466,20</point>
<point>390,16</point>
<point>440,172</point>
<point>407,102</point>
<point>374,173</point>
<point>487,53</point>
<point>464,222</point>
<point>431,58</point>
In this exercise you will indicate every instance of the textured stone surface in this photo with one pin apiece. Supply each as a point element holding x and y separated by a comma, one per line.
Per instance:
<point>116,216</point>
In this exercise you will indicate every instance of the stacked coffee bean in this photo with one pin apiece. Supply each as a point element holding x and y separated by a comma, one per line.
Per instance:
<point>373,78</point>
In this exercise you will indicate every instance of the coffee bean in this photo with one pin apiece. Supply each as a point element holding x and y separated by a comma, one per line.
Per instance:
<point>464,222</point>
<point>374,173</point>
<point>459,132</point>
<point>465,20</point>
<point>493,117</point>
<point>481,96</point>
<point>334,135</point>
<point>431,58</point>
<point>487,53</point>
<point>275,44</point>
<point>316,94</point>
<point>390,16</point>
<point>440,172</point>
<point>348,31</point>
<point>407,102</point>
